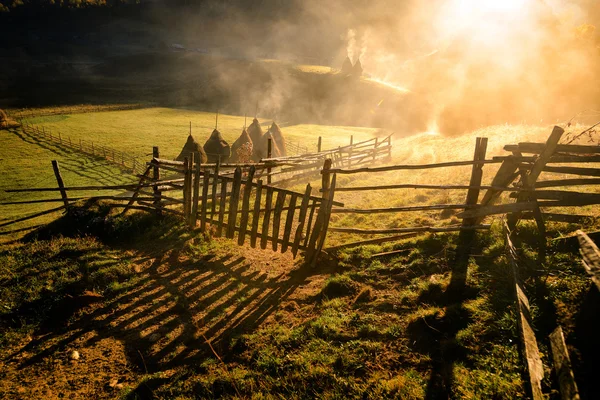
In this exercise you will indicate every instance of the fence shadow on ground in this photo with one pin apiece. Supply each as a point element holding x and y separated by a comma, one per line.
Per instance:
<point>95,169</point>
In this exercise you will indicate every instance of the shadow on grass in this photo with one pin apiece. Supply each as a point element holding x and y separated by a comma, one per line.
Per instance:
<point>179,310</point>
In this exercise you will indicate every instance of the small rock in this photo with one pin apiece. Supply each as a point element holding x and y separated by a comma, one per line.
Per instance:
<point>74,355</point>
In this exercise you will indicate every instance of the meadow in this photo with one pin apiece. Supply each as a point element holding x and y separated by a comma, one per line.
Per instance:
<point>163,312</point>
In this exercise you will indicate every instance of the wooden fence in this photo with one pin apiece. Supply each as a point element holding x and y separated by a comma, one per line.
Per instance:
<point>20,114</point>
<point>125,160</point>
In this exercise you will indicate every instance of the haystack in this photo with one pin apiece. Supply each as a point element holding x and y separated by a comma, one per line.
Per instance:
<point>217,148</point>
<point>3,116</point>
<point>357,69</point>
<point>347,66</point>
<point>192,146</point>
<point>255,131</point>
<point>279,139</point>
<point>262,149</point>
<point>241,149</point>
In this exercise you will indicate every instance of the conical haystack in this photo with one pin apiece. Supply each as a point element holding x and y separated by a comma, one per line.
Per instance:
<point>262,151</point>
<point>217,148</point>
<point>279,139</point>
<point>255,131</point>
<point>241,149</point>
<point>357,69</point>
<point>192,146</point>
<point>347,66</point>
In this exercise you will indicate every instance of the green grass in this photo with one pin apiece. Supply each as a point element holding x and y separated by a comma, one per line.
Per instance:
<point>136,131</point>
<point>26,163</point>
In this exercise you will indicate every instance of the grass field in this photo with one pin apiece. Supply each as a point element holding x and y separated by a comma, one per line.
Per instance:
<point>150,295</point>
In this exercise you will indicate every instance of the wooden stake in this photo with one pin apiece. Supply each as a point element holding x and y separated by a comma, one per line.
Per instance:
<point>246,205</point>
<point>233,203</point>
<point>155,178</point>
<point>256,214</point>
<point>196,200</point>
<point>61,185</point>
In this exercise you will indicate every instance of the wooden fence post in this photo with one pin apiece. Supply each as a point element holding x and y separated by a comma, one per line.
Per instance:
<point>269,150</point>
<point>59,138</point>
<point>476,176</point>
<point>562,366</point>
<point>319,145</point>
<point>59,180</point>
<point>311,253</point>
<point>155,177</point>
<point>246,205</point>
<point>186,187</point>
<point>214,189</point>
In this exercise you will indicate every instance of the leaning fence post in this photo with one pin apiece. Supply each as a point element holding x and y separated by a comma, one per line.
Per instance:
<point>269,150</point>
<point>59,180</point>
<point>155,177</point>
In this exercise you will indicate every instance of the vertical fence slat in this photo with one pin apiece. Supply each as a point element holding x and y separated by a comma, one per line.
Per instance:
<point>309,225</point>
<point>203,211</point>
<point>277,217</point>
<point>186,175</point>
<point>222,204</point>
<point>288,222</point>
<point>301,219</point>
<point>155,177</point>
<point>233,203</point>
<point>256,214</point>
<point>246,205</point>
<point>266,218</point>
<point>214,189</point>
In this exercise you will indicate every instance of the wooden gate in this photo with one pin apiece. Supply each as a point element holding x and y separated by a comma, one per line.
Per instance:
<point>248,209</point>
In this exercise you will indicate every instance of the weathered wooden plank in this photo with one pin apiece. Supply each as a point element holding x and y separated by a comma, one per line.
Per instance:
<point>311,254</point>
<point>233,203</point>
<point>562,366</point>
<point>61,185</point>
<point>246,206</point>
<point>204,210</point>
<point>28,217</point>
<point>554,217</point>
<point>136,191</point>
<point>288,223</point>
<point>222,205</point>
<point>266,218</point>
<point>196,197</point>
<point>309,225</point>
<point>566,182</point>
<point>398,209</point>
<point>435,187</point>
<point>409,229</point>
<point>327,217</point>
<point>573,170</point>
<point>256,214</point>
<point>277,216</point>
<point>301,219</point>
<point>505,176</point>
<point>591,257</point>
<point>569,196</point>
<point>413,167</point>
<point>538,148</point>
<point>530,349</point>
<point>215,182</point>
